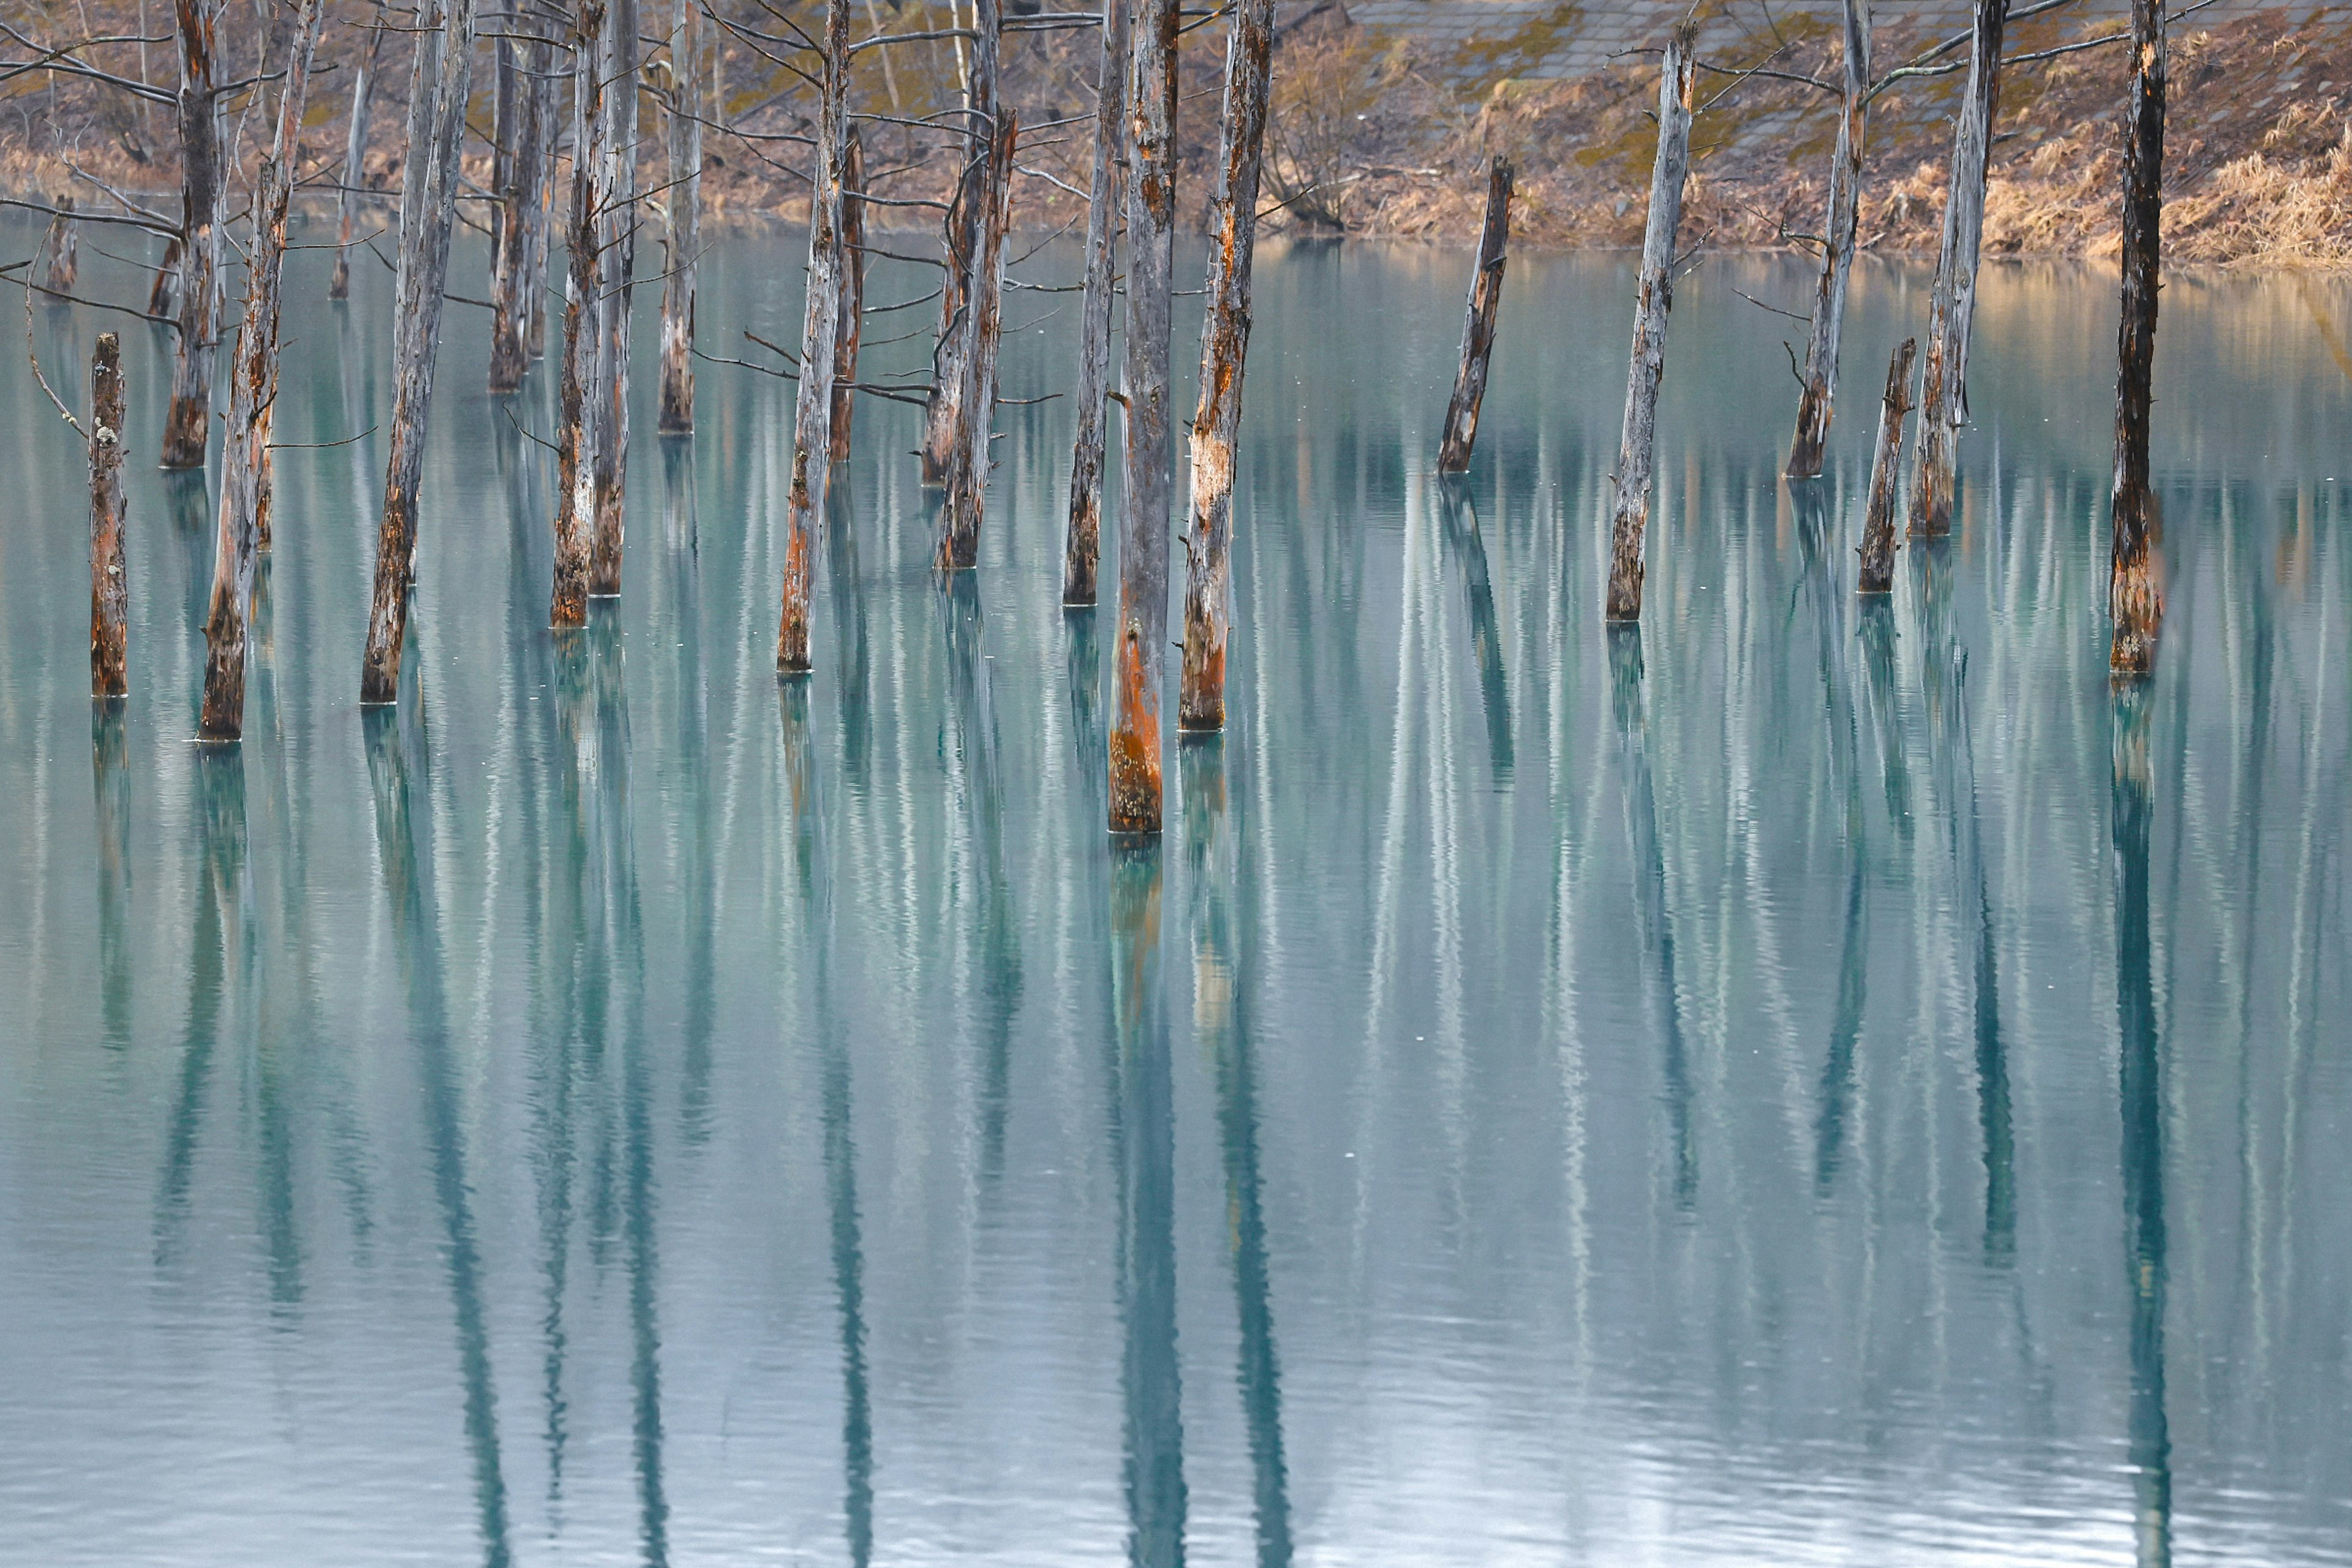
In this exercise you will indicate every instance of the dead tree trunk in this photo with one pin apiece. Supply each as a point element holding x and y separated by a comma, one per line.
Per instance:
<point>1083,553</point>
<point>518,179</point>
<point>960,519</point>
<point>681,212</point>
<point>851,324</point>
<point>61,250</point>
<point>109,593</point>
<point>819,322</point>
<point>1141,655</point>
<point>436,115</point>
<point>245,451</point>
<point>347,200</point>
<point>2133,600</point>
<point>1877,550</point>
<point>580,413</point>
<point>163,298</point>
<point>1817,402</point>
<point>1224,348</point>
<point>615,287</point>
<point>1637,454</point>
<point>1478,329</point>
<point>1951,306</point>
<point>944,413</point>
<point>187,423</point>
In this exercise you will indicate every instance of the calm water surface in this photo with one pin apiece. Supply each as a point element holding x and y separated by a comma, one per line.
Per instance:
<point>1797,1083</point>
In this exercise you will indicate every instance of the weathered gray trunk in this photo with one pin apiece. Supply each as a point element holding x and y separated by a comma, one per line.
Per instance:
<point>187,423</point>
<point>945,413</point>
<point>1082,554</point>
<point>1140,656</point>
<point>518,180</point>
<point>109,591</point>
<point>253,377</point>
<point>1885,474</point>
<point>1815,405</point>
<point>1637,453</point>
<point>1224,349</point>
<point>539,235</point>
<point>850,325</point>
<point>960,519</point>
<point>819,323</point>
<point>1951,306</point>
<point>2133,599</point>
<point>681,213</point>
<point>61,250</point>
<point>580,410</point>
<point>436,117</point>
<point>1478,326</point>
<point>347,200</point>
<point>615,285</point>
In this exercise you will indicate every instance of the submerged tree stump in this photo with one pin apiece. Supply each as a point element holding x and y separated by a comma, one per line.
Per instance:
<point>1877,551</point>
<point>1637,452</point>
<point>960,519</point>
<point>1225,349</point>
<point>187,424</point>
<point>681,214</point>
<point>813,408</point>
<point>61,250</point>
<point>850,325</point>
<point>1478,328</point>
<point>579,412</point>
<point>109,591</point>
<point>2133,599</point>
<point>1816,405</point>
<point>1082,551</point>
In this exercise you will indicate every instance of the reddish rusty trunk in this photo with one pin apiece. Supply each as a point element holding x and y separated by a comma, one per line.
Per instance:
<point>681,216</point>
<point>1877,550</point>
<point>109,594</point>
<point>820,320</point>
<point>2134,600</point>
<point>578,417</point>
<point>187,422</point>
<point>1478,329</point>
<point>850,325</point>
<point>946,414</point>
<point>1082,551</point>
<point>1816,404</point>
<point>960,519</point>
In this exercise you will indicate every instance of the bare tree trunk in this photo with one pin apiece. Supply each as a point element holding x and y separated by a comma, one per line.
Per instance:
<point>519,180</point>
<point>1140,656</point>
<point>819,323</point>
<point>347,201</point>
<point>61,250</point>
<point>1083,554</point>
<point>579,416</point>
<point>245,451</point>
<point>851,325</point>
<point>1951,307</point>
<point>1878,520</point>
<point>109,593</point>
<point>187,424</point>
<point>1637,454</point>
<point>681,213</point>
<point>164,299</point>
<point>944,414</point>
<point>2133,599</point>
<point>615,287</point>
<point>1225,349</point>
<point>1478,327</point>
<point>1816,405</point>
<point>540,232</point>
<point>960,519</point>
<point>436,117</point>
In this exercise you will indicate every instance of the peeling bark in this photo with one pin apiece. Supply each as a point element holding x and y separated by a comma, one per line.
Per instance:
<point>436,117</point>
<point>1478,327</point>
<point>1224,350</point>
<point>945,413</point>
<point>1877,550</point>
<point>187,421</point>
<point>347,201</point>
<point>109,594</point>
<point>1818,400</point>
<point>851,323</point>
<point>1082,552</point>
<point>2134,600</point>
<point>681,215</point>
<point>518,175</point>
<point>616,283</point>
<point>253,374</point>
<point>579,417</point>
<point>1637,454</point>
<point>960,519</point>
<point>1140,652</point>
<point>1951,306</point>
<point>819,322</point>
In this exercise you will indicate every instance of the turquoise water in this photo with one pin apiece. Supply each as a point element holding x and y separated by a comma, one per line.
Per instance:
<point>1798,1083</point>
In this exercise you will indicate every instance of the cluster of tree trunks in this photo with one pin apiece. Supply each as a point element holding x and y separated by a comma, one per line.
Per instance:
<point>1877,551</point>
<point>681,216</point>
<point>1478,327</point>
<point>946,412</point>
<point>1083,552</point>
<point>820,329</point>
<point>1816,404</point>
<point>199,284</point>
<point>110,590</point>
<point>2133,599</point>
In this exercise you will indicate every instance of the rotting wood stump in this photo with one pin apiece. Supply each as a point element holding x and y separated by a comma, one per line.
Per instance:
<point>1878,548</point>
<point>1478,327</point>
<point>110,589</point>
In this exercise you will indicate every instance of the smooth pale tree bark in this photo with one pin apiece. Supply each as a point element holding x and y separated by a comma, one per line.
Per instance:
<point>1886,469</point>
<point>1224,350</point>
<point>1637,454</point>
<point>253,378</point>
<point>850,325</point>
<point>615,285</point>
<point>960,519</point>
<point>1951,306</point>
<point>813,408</point>
<point>1082,552</point>
<point>579,417</point>
<point>109,591</point>
<point>2133,600</point>
<point>347,200</point>
<point>428,199</point>
<point>945,413</point>
<point>187,424</point>
<point>518,175</point>
<point>681,214</point>
<point>1139,655</point>
<point>1478,326</point>
<point>1815,404</point>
